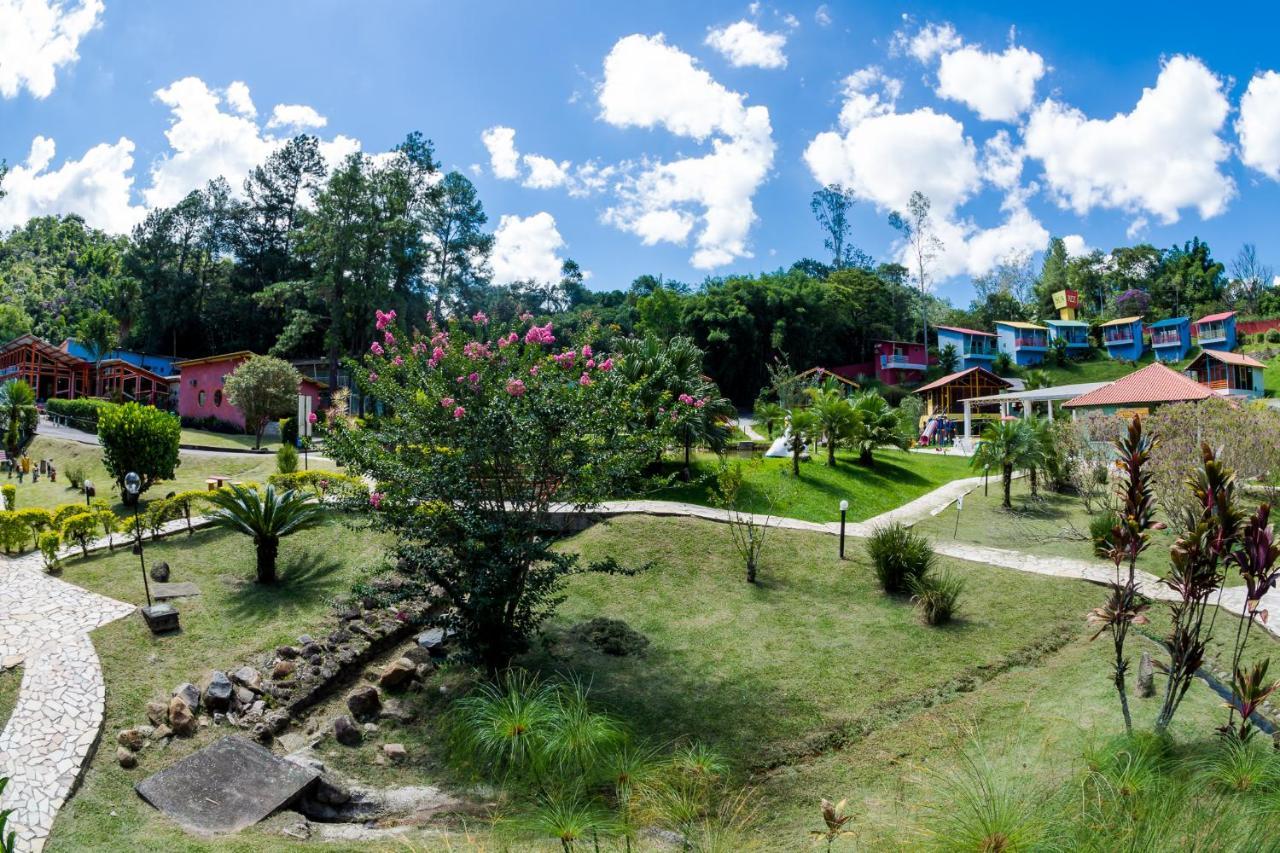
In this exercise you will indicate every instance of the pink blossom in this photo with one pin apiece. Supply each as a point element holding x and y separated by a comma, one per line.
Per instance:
<point>440,339</point>
<point>311,417</point>
<point>586,351</point>
<point>419,348</point>
<point>458,413</point>
<point>698,404</point>
<point>533,371</point>
<point>385,319</point>
<point>373,377</point>
<point>584,380</point>
<point>475,350</point>
<point>474,378</point>
<point>526,317</point>
<point>539,335</point>
<point>376,348</point>
<point>515,387</point>
<point>446,402</point>
<point>686,399</point>
<point>397,361</point>
<point>591,362</point>
<point>480,318</point>
<point>606,365</point>
<point>388,338</point>
<point>375,498</point>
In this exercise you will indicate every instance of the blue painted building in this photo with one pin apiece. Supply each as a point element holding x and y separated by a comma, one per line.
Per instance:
<point>974,348</point>
<point>1170,339</point>
<point>160,365</point>
<point>1024,342</point>
<point>1074,332</point>
<point>1123,338</point>
<point>1217,331</point>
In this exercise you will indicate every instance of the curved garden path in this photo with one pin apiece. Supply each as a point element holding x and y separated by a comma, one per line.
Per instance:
<point>45,624</point>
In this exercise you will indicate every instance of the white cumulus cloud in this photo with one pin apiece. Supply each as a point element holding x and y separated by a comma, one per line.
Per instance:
<point>997,86</point>
<point>648,83</point>
<point>503,159</point>
<point>1259,124</point>
<point>98,186</point>
<point>1158,159</point>
<point>37,37</point>
<point>524,248</point>
<point>930,41</point>
<point>296,117</point>
<point>1076,246</point>
<point>745,44</point>
<point>240,100</point>
<point>545,173</point>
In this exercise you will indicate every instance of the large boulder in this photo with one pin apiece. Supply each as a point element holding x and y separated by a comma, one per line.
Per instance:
<point>160,573</point>
<point>397,673</point>
<point>217,696</point>
<point>364,701</point>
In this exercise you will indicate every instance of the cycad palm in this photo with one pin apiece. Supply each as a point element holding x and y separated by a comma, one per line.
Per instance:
<point>834,415</point>
<point>267,516</point>
<point>803,424</point>
<point>1007,445</point>
<point>769,414</point>
<point>875,425</point>
<point>18,409</point>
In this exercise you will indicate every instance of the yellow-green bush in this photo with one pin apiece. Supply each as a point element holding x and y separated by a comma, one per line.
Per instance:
<point>80,528</point>
<point>49,542</point>
<point>321,483</point>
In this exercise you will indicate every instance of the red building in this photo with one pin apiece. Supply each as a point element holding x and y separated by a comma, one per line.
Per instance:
<point>200,393</point>
<point>900,363</point>
<point>48,370</point>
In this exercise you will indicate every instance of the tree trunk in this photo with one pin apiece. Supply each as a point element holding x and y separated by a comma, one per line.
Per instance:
<point>831,451</point>
<point>795,463</point>
<point>268,548</point>
<point>688,446</point>
<point>864,457</point>
<point>751,569</point>
<point>1034,491</point>
<point>1007,478</point>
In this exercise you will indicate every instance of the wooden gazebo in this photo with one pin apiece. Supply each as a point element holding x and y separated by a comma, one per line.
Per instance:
<point>943,396</point>
<point>48,370</point>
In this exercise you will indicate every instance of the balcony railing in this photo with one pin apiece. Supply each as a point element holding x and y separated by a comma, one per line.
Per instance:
<point>1025,343</point>
<point>980,352</point>
<point>1117,340</point>
<point>1166,339</point>
<point>1211,334</point>
<point>903,362</point>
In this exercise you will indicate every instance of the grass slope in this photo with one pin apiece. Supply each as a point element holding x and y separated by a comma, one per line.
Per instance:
<point>815,684</point>
<point>10,682</point>
<point>193,470</point>
<point>233,618</point>
<point>895,478</point>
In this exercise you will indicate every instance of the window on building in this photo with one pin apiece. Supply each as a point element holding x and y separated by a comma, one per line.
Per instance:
<point>200,398</point>
<point>217,397</point>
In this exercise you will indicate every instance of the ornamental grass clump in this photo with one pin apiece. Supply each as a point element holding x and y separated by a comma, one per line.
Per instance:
<point>936,596</point>
<point>900,556</point>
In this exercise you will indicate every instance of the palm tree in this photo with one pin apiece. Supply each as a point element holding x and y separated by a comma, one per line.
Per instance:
<point>835,416</point>
<point>875,425</point>
<point>804,426</point>
<point>18,409</point>
<point>948,359</point>
<point>707,424</point>
<point>267,516</point>
<point>769,415</point>
<point>1048,458</point>
<point>1036,379</point>
<point>1007,445</point>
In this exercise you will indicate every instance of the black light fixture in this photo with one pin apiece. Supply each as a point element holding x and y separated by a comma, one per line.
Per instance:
<point>159,617</point>
<point>844,511</point>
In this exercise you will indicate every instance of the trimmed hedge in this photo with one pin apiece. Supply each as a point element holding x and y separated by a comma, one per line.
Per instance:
<point>82,413</point>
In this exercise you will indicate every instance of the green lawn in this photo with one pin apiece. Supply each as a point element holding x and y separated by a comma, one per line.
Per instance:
<point>10,681</point>
<point>1099,369</point>
<point>896,478</point>
<point>815,684</point>
<point>225,440</point>
<point>232,619</point>
<point>192,472</point>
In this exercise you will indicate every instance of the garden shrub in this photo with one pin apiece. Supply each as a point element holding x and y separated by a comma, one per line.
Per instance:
<point>323,484</point>
<point>49,542</point>
<point>83,413</point>
<point>141,439</point>
<point>10,493</point>
<point>80,529</point>
<point>75,475</point>
<point>900,556</point>
<point>287,459</point>
<point>64,512</point>
<point>1273,336</point>
<point>610,636</point>
<point>1002,363</point>
<point>35,519</point>
<point>289,430</point>
<point>13,533</point>
<point>936,595</point>
<point>1100,527</point>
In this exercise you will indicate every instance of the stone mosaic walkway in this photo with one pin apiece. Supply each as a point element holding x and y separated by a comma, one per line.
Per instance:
<point>44,625</point>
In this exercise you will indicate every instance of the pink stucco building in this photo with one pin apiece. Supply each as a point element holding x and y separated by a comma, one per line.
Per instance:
<point>200,392</point>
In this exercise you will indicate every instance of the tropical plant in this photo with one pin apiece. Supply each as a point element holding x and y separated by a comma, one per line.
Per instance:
<point>18,409</point>
<point>835,416</point>
<point>948,359</point>
<point>1126,542</point>
<point>703,418</point>
<point>265,515</point>
<point>900,556</point>
<point>468,471</point>
<point>769,415</point>
<point>99,333</point>
<point>875,425</point>
<point>1034,379</point>
<point>139,439</point>
<point>936,595</point>
<point>264,388</point>
<point>8,843</point>
<point>1255,559</point>
<point>1002,363</point>
<point>1006,446</point>
<point>804,428</point>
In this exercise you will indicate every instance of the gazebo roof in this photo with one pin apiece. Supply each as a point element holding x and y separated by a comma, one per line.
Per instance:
<point>952,377</point>
<point>44,348</point>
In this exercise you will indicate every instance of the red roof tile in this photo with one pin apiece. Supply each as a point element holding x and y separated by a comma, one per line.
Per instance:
<point>1235,358</point>
<point>1212,317</point>
<point>1154,383</point>
<point>938,383</point>
<point>966,331</point>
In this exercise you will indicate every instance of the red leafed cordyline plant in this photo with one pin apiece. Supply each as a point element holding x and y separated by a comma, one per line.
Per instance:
<point>1255,559</point>
<point>1127,540</point>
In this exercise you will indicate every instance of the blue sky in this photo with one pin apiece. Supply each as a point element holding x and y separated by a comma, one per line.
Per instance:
<point>1020,120</point>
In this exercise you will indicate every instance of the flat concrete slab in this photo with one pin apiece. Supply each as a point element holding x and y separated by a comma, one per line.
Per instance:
<point>166,591</point>
<point>225,787</point>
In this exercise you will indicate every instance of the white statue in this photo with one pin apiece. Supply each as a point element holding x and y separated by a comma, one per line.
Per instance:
<point>781,447</point>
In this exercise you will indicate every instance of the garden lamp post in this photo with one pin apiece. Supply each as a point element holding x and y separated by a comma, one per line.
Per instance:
<point>844,511</point>
<point>986,479</point>
<point>159,617</point>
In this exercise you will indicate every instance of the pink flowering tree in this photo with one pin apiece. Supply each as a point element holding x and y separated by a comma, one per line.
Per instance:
<point>492,430</point>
